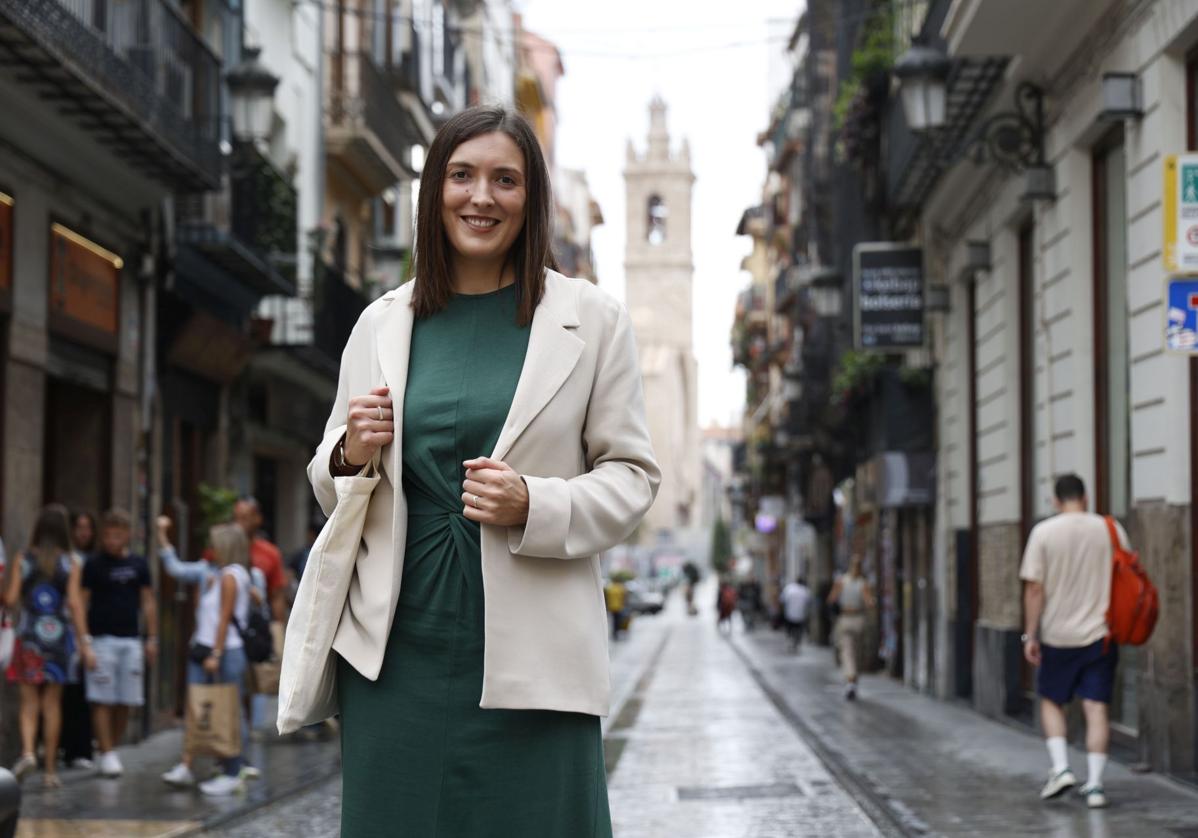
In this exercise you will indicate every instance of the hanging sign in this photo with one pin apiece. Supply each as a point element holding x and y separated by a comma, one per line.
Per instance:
<point>888,296</point>
<point>84,287</point>
<point>1181,213</point>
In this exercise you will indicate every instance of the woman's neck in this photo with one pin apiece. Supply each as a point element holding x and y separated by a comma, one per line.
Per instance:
<point>471,277</point>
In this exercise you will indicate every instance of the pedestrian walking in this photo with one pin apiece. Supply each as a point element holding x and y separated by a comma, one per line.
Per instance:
<point>615,597</point>
<point>492,356</point>
<point>263,555</point>
<point>850,597</point>
<point>45,584</point>
<point>77,751</point>
<point>725,604</point>
<point>692,579</point>
<point>118,596</point>
<point>748,602</point>
<point>1067,584</point>
<point>796,608</point>
<point>216,654</point>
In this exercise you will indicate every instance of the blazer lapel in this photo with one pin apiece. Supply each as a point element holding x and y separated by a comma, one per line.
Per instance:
<point>553,351</point>
<point>394,342</point>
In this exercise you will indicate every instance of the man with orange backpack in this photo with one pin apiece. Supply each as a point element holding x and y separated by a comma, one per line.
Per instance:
<point>1067,571</point>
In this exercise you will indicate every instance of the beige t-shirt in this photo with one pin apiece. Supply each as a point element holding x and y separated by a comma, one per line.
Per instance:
<point>1070,554</point>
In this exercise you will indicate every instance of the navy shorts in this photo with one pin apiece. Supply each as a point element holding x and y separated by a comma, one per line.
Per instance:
<point>1083,671</point>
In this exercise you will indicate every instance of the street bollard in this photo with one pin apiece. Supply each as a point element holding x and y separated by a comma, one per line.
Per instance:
<point>10,803</point>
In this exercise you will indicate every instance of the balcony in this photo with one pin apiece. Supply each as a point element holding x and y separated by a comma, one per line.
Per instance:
<point>135,76</point>
<point>249,228</point>
<point>338,305</point>
<point>367,132</point>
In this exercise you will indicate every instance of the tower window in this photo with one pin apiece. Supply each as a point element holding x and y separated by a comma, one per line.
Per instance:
<point>656,227</point>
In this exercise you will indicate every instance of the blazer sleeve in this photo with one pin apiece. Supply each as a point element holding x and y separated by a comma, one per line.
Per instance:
<point>593,512</point>
<point>334,429</point>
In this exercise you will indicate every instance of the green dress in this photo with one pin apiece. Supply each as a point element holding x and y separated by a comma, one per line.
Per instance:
<point>419,757</point>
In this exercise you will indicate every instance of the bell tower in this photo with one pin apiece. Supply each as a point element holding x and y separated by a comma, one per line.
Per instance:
<point>659,274</point>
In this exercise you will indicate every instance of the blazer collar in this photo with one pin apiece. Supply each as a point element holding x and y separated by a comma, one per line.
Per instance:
<point>553,351</point>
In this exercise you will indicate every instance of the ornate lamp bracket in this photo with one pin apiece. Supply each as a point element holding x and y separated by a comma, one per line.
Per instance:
<point>1012,139</point>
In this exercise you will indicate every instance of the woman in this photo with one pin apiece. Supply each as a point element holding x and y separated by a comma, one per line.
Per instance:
<point>216,655</point>
<point>852,593</point>
<point>45,583</point>
<point>503,404</point>
<point>76,714</point>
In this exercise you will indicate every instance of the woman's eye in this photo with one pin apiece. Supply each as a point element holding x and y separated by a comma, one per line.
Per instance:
<point>458,175</point>
<point>507,180</point>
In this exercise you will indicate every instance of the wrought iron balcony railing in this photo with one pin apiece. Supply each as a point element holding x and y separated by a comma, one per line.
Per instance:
<point>250,228</point>
<point>367,129</point>
<point>134,73</point>
<point>337,306</point>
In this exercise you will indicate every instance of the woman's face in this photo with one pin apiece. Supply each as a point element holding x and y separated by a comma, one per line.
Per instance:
<point>482,201</point>
<point>83,534</point>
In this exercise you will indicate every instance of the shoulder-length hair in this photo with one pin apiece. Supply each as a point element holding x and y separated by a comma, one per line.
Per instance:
<point>531,253</point>
<point>51,537</point>
<point>230,546</point>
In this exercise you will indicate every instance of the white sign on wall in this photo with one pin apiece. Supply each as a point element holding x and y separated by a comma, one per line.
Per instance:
<point>1181,213</point>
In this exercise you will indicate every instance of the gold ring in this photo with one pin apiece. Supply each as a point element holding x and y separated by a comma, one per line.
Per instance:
<point>380,410</point>
<point>476,506</point>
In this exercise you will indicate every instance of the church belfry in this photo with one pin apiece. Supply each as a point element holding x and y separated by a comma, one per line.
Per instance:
<point>658,270</point>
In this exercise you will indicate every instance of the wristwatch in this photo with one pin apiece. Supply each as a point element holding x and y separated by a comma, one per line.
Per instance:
<point>1024,638</point>
<point>339,456</point>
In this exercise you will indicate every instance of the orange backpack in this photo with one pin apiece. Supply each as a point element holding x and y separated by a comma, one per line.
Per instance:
<point>1135,605</point>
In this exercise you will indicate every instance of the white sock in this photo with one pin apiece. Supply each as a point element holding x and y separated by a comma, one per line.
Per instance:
<point>1058,752</point>
<point>1096,763</point>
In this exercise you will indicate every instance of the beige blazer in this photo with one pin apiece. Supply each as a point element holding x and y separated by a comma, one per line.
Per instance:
<point>576,432</point>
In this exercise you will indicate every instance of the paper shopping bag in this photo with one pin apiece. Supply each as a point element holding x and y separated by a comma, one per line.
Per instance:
<point>213,720</point>
<point>266,677</point>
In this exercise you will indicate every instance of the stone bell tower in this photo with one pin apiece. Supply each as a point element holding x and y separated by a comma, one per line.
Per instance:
<point>659,274</point>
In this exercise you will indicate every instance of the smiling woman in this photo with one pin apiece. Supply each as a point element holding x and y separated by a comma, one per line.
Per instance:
<point>501,404</point>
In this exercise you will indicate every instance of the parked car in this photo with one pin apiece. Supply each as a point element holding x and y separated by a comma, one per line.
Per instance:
<point>642,599</point>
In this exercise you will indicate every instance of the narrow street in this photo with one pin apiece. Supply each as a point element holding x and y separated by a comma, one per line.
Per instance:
<point>721,738</point>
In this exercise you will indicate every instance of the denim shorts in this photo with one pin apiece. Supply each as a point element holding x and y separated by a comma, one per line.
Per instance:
<point>119,676</point>
<point>1083,671</point>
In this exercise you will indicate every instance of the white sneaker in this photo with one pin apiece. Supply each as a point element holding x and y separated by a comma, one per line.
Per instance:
<point>179,776</point>
<point>249,772</point>
<point>83,763</point>
<point>110,765</point>
<point>222,786</point>
<point>1058,784</point>
<point>25,765</point>
<point>1094,795</point>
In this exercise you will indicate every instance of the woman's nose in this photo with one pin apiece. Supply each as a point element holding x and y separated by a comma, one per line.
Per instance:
<point>481,196</point>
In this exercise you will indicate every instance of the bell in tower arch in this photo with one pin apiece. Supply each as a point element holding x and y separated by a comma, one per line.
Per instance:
<point>656,220</point>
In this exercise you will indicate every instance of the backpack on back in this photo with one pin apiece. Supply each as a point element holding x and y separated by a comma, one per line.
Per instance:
<point>255,635</point>
<point>1135,605</point>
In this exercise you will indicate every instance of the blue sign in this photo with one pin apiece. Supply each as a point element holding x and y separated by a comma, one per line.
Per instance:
<point>1181,323</point>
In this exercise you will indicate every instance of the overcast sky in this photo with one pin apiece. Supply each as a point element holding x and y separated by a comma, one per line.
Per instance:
<point>711,63</point>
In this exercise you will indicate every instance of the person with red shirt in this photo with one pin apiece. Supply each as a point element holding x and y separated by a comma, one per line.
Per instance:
<point>263,555</point>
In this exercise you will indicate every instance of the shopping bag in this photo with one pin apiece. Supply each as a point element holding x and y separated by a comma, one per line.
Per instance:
<point>266,677</point>
<point>213,720</point>
<point>308,681</point>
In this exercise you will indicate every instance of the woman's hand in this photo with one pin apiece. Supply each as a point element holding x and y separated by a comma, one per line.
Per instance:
<point>212,664</point>
<point>164,528</point>
<point>494,493</point>
<point>370,425</point>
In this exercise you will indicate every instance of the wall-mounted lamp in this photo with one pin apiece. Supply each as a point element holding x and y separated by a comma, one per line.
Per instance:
<point>1122,96</point>
<point>922,72</point>
<point>1040,183</point>
<point>937,299</point>
<point>977,256</point>
<point>252,89</point>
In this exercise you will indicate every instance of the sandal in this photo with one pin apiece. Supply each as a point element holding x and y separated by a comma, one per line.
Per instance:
<point>51,781</point>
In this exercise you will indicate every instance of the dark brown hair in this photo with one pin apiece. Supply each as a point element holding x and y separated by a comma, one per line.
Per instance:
<point>51,537</point>
<point>530,253</point>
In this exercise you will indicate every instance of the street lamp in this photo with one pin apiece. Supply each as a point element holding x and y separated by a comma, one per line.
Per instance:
<point>922,72</point>
<point>252,88</point>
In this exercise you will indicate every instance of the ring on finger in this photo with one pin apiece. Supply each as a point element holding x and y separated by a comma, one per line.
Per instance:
<point>476,501</point>
<point>380,410</point>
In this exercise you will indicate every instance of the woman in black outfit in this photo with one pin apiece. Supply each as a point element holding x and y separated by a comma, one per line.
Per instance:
<point>76,712</point>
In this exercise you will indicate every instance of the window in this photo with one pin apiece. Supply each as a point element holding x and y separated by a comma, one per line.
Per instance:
<point>1111,369</point>
<point>656,221</point>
